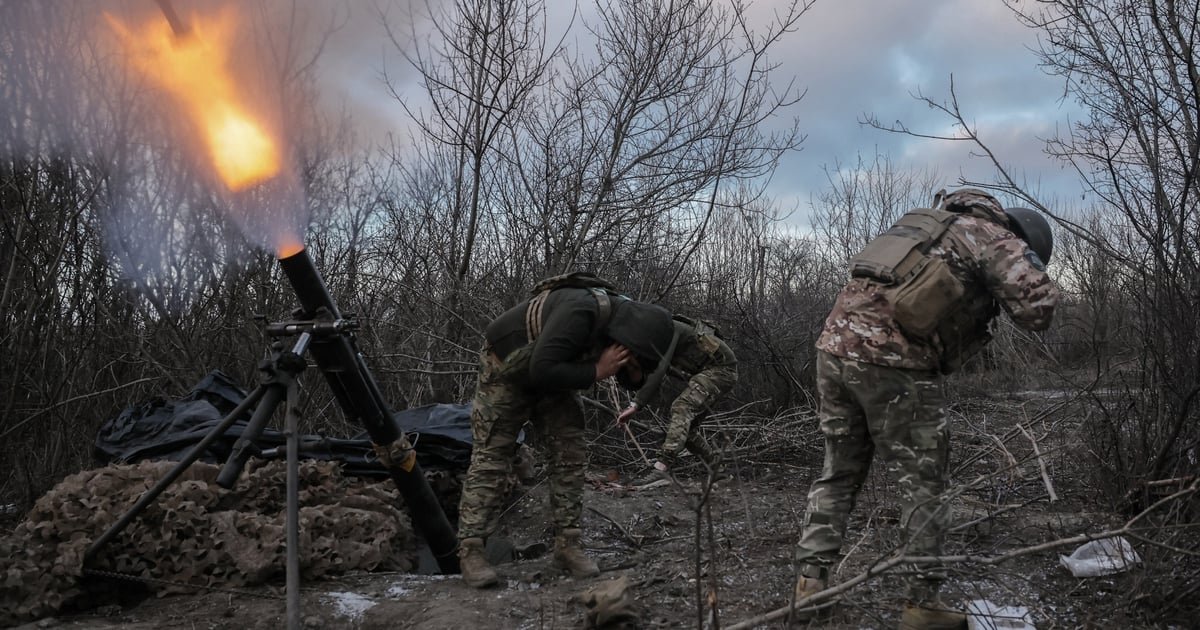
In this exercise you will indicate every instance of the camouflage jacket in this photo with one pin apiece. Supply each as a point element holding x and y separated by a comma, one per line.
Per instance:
<point>694,352</point>
<point>994,266</point>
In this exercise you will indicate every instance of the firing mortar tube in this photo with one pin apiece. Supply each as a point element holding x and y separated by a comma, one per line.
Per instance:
<point>359,396</point>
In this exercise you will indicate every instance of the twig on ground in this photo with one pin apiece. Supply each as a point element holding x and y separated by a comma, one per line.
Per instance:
<point>885,565</point>
<point>636,541</point>
<point>1012,461</point>
<point>990,515</point>
<point>1037,452</point>
<point>641,452</point>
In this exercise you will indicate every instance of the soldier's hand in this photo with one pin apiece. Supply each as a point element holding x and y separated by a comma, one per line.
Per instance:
<point>611,361</point>
<point>624,416</point>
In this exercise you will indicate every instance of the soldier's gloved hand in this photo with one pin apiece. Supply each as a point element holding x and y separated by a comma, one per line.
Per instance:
<point>626,414</point>
<point>611,360</point>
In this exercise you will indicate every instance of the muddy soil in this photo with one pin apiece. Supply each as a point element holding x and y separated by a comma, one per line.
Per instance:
<point>686,573</point>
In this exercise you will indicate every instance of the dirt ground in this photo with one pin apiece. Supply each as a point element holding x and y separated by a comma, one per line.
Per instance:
<point>743,563</point>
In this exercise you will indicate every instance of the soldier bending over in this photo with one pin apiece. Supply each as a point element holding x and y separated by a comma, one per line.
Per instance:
<point>918,304</point>
<point>537,356</point>
<point>708,364</point>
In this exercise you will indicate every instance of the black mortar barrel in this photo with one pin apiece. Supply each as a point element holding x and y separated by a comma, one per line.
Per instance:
<point>358,394</point>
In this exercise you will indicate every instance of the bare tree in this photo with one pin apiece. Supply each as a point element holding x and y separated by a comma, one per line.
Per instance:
<point>865,199</point>
<point>488,59</point>
<point>670,109</point>
<point>478,70</point>
<point>1134,66</point>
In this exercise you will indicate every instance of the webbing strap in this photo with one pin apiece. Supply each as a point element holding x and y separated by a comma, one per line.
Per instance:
<point>604,310</point>
<point>533,313</point>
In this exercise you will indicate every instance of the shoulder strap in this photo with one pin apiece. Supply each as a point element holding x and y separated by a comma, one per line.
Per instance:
<point>533,312</point>
<point>533,315</point>
<point>603,310</point>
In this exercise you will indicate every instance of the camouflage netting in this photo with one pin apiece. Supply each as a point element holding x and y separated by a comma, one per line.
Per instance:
<point>199,533</point>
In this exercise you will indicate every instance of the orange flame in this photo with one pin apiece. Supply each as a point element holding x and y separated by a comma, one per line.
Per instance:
<point>193,69</point>
<point>288,246</point>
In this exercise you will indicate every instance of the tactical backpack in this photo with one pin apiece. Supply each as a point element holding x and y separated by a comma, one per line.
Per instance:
<point>601,289</point>
<point>923,289</point>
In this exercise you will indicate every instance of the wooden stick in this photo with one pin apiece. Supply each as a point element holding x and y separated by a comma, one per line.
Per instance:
<point>1041,464</point>
<point>629,432</point>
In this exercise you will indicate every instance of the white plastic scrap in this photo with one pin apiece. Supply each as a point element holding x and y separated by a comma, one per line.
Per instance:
<point>1101,557</point>
<point>985,615</point>
<point>350,605</point>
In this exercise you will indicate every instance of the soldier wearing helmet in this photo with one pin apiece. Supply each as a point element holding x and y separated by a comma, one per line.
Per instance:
<point>918,304</point>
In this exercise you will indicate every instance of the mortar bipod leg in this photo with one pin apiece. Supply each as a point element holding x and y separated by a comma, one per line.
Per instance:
<point>293,505</point>
<point>151,494</point>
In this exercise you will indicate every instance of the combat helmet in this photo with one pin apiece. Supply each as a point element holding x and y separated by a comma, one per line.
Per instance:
<point>1033,228</point>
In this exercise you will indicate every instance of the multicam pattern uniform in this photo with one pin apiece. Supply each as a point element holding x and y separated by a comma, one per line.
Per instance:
<point>711,369</point>
<point>994,266</point>
<point>502,403</point>
<point>880,388</point>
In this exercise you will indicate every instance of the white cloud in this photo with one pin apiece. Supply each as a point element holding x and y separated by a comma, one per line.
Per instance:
<point>855,59</point>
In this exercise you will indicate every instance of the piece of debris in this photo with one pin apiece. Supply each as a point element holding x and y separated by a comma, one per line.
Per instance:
<point>985,615</point>
<point>610,606</point>
<point>351,606</point>
<point>1101,557</point>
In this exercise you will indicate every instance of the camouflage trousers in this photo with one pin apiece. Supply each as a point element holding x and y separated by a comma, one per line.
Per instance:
<point>867,409</point>
<point>504,401</point>
<point>691,408</point>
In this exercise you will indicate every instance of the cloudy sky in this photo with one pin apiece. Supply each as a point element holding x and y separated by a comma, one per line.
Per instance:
<point>854,58</point>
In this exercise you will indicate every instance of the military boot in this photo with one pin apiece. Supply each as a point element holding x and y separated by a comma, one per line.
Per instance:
<point>806,586</point>
<point>568,554</point>
<point>657,472</point>
<point>931,615</point>
<point>476,571</point>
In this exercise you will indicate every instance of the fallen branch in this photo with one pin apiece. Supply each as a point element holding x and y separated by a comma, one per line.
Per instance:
<point>636,541</point>
<point>1012,461</point>
<point>1037,452</point>
<point>885,565</point>
<point>641,452</point>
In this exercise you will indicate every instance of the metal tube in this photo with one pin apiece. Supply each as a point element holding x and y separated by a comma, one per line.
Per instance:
<point>282,369</point>
<point>244,447</point>
<point>359,396</point>
<point>293,506</point>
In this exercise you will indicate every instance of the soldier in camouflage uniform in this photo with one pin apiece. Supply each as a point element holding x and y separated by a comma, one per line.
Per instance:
<point>708,364</point>
<point>537,356</point>
<point>882,352</point>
